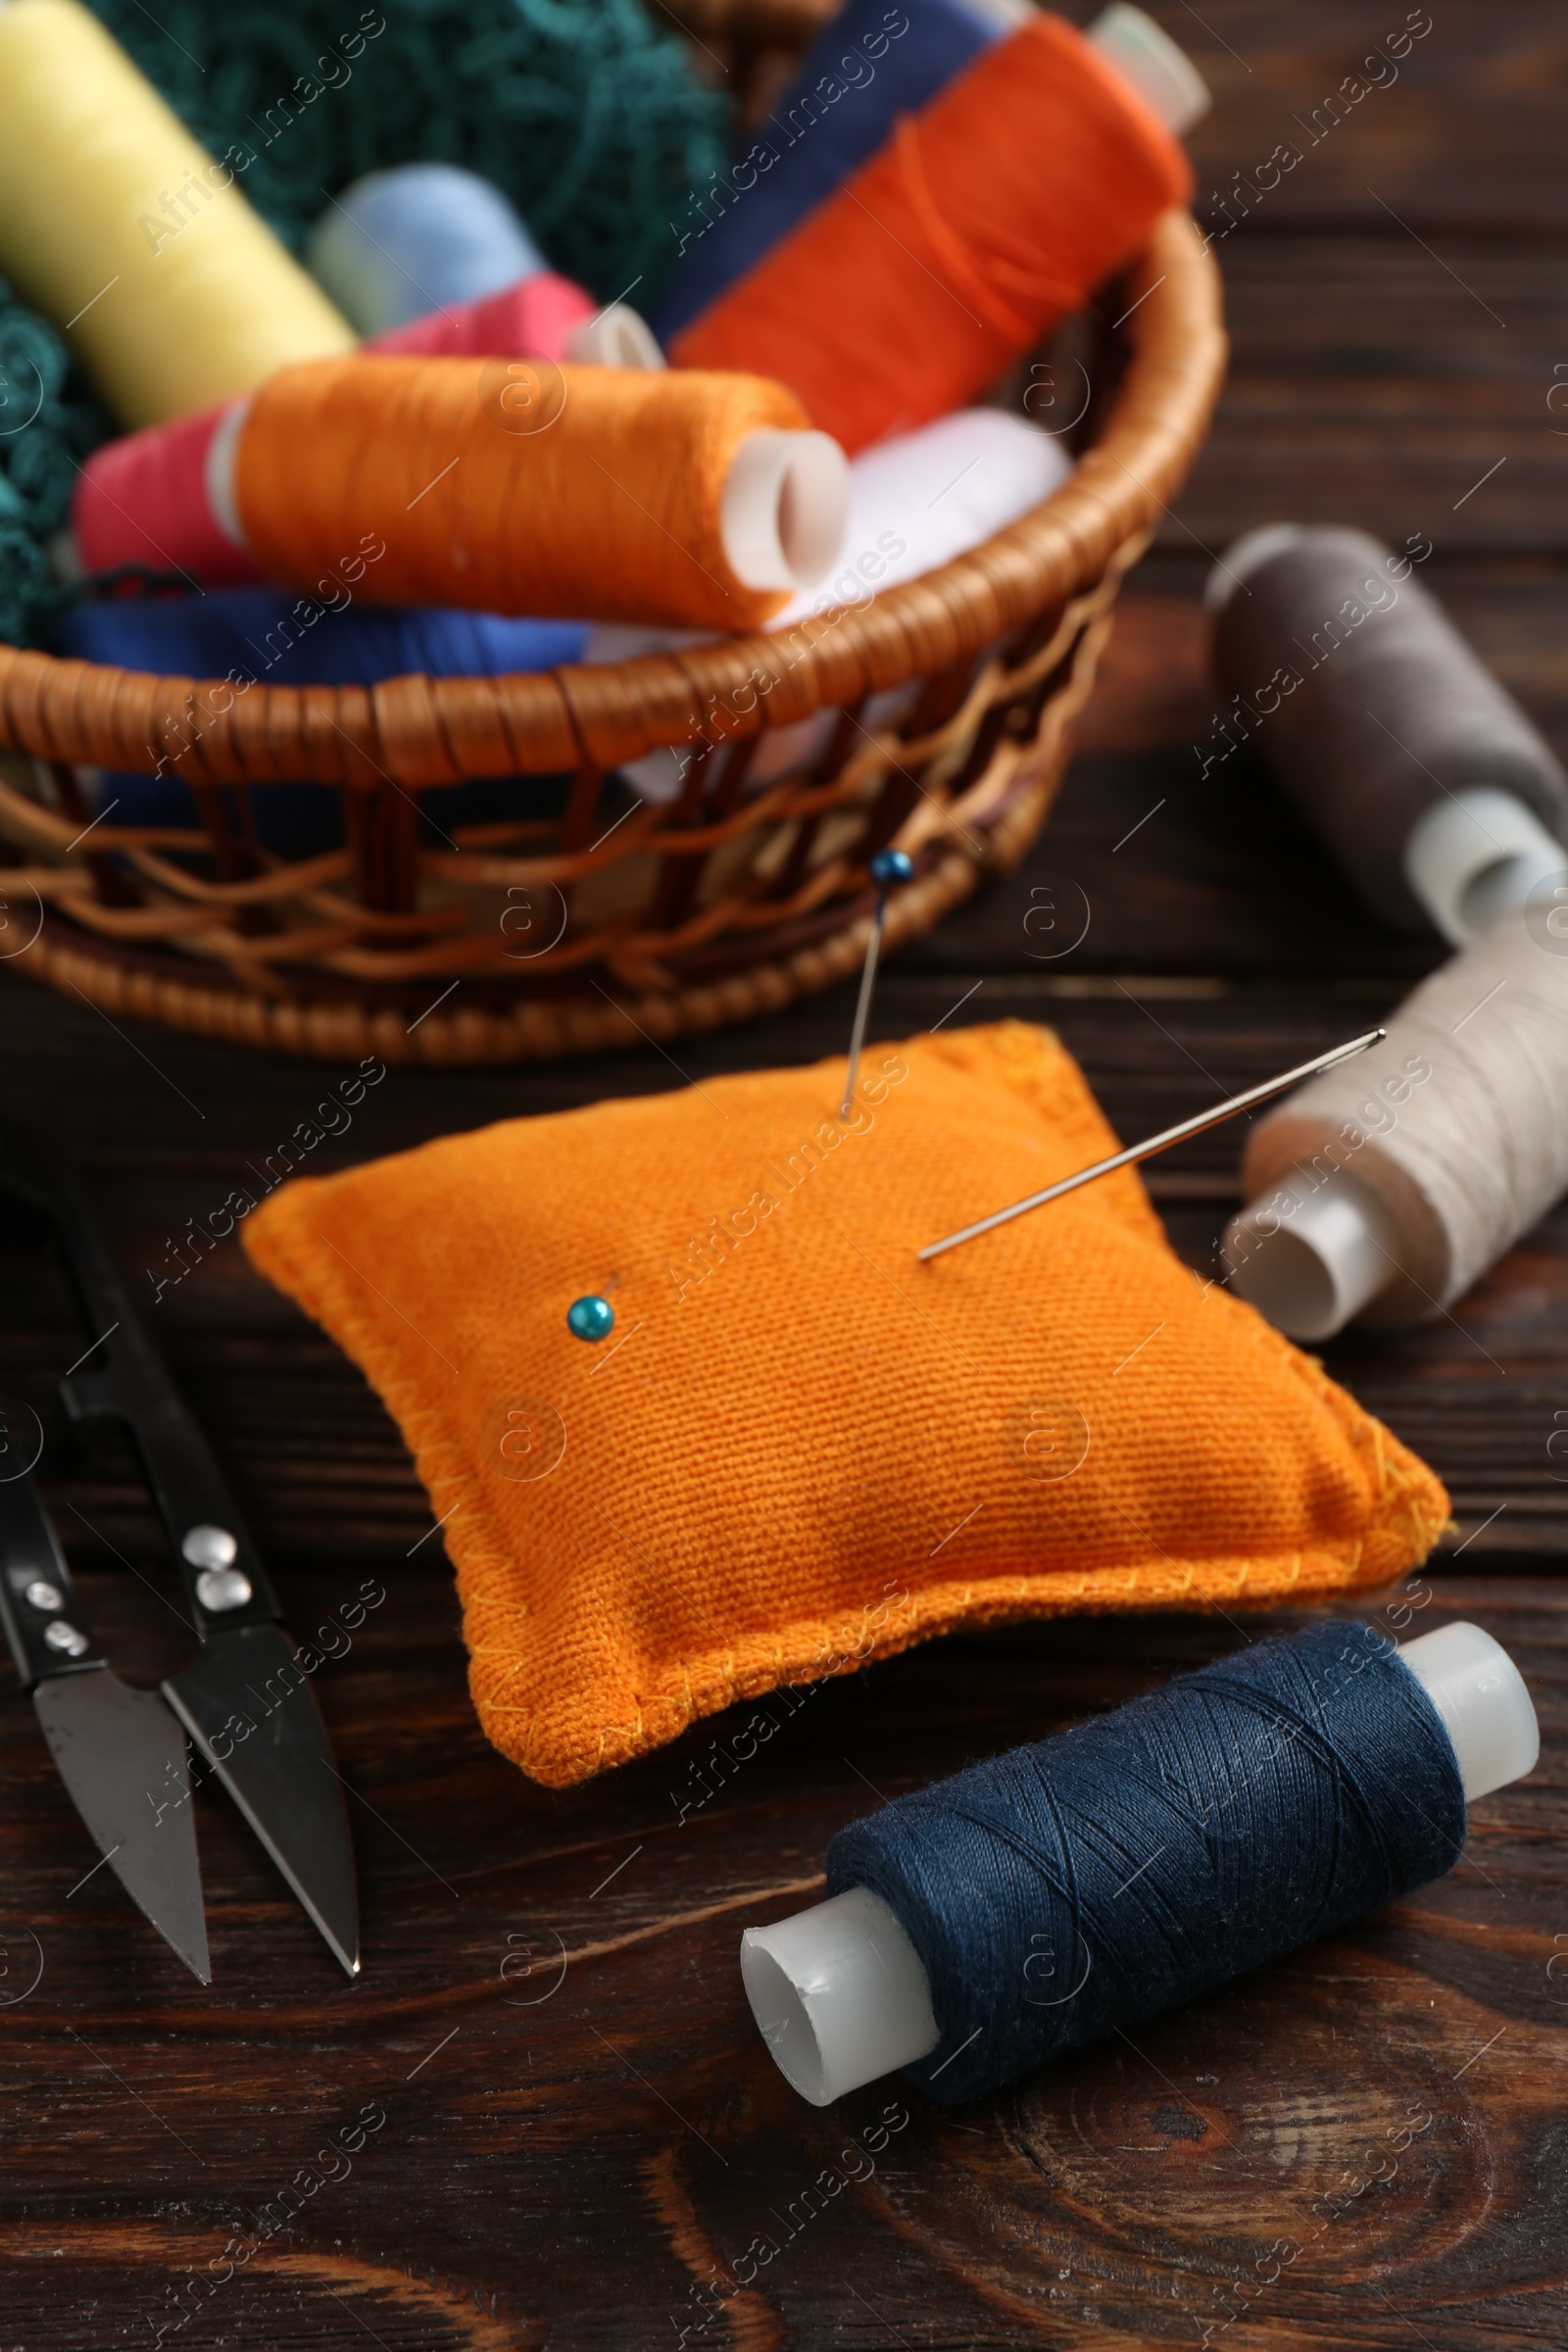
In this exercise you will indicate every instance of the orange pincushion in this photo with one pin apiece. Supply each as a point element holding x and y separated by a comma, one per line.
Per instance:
<point>799,1445</point>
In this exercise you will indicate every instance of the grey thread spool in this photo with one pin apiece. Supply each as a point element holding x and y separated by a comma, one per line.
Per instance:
<point>1423,777</point>
<point>1382,1192</point>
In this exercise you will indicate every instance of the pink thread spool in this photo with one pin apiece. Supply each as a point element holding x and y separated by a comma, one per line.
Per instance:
<point>539,318</point>
<point>146,499</point>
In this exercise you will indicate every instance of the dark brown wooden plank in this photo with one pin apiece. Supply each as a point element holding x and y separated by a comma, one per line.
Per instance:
<point>1372,384</point>
<point>1466,140</point>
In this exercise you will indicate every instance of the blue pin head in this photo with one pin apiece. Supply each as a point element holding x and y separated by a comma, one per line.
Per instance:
<point>591,1318</point>
<point>891,866</point>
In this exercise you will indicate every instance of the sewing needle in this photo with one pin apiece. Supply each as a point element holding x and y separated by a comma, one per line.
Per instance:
<point>1158,1142</point>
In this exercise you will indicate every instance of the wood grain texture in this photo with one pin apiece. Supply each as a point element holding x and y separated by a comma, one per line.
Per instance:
<point>585,2144</point>
<point>1397,314</point>
<point>1412,391</point>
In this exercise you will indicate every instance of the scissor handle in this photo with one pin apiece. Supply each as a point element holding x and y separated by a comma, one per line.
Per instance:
<point>225,1584</point>
<point>38,1605</point>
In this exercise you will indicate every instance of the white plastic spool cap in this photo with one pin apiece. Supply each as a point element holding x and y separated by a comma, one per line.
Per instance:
<point>840,1995</point>
<point>1163,76</point>
<point>1006,15</point>
<point>1244,556</point>
<point>619,338</point>
<point>218,471</point>
<point>784,509</point>
<point>1475,856</point>
<point>1312,1253</point>
<point>1481,1695</point>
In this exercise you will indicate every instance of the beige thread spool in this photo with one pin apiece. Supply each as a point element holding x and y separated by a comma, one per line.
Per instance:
<point>1384,1192</point>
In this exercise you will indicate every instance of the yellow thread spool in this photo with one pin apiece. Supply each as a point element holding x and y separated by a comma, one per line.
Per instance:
<point>119,226</point>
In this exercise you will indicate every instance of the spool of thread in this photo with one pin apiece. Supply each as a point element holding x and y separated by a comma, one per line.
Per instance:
<point>429,259</point>
<point>1425,779</point>
<point>544,317</point>
<point>869,65</point>
<point>147,500</point>
<point>270,636</point>
<point>117,225</point>
<point>400,243</point>
<point>1385,1188</point>
<point>914,503</point>
<point>981,223</point>
<point>921,499</point>
<point>605,493</point>
<point>262,636</point>
<point>1038,1902</point>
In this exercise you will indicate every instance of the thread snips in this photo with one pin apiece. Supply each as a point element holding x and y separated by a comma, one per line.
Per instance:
<point>246,1703</point>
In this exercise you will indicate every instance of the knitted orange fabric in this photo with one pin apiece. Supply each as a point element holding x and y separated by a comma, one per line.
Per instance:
<point>799,1445</point>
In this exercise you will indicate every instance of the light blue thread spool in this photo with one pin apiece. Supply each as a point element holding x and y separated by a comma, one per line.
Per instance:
<point>421,237</point>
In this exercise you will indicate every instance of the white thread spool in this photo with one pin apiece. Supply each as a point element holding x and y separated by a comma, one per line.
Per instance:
<point>1381,1193</point>
<point>841,1996</point>
<point>914,503</point>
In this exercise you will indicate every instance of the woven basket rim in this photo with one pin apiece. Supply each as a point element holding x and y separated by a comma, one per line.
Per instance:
<point>419,731</point>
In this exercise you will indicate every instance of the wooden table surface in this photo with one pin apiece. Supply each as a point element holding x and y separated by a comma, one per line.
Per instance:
<point>569,2131</point>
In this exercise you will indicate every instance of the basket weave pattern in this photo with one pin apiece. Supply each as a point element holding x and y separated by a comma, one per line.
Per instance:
<point>579,931</point>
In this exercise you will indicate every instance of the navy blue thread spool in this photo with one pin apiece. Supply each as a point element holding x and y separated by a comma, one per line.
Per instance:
<point>1033,1904</point>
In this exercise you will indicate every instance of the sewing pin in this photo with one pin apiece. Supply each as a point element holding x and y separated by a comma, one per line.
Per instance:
<point>1159,1143</point>
<point>888,867</point>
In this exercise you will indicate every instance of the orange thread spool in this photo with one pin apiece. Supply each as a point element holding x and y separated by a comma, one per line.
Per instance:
<point>984,220</point>
<point>512,486</point>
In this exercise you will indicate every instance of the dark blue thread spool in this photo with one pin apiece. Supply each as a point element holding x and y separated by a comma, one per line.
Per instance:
<point>1035,1903</point>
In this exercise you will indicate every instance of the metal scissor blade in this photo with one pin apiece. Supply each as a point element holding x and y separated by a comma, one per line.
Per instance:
<point>227,1589</point>
<point>123,1760</point>
<point>249,1706</point>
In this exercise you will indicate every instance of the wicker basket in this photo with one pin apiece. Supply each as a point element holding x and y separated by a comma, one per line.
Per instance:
<point>726,902</point>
